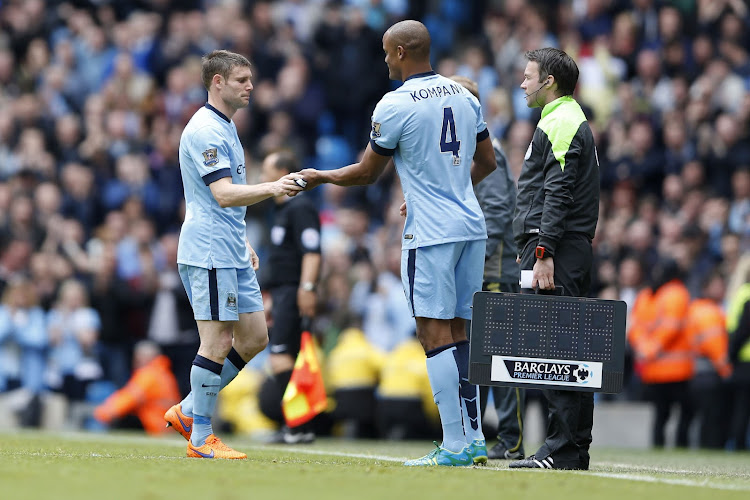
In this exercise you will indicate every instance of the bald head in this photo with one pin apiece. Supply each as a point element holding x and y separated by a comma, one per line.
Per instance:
<point>412,36</point>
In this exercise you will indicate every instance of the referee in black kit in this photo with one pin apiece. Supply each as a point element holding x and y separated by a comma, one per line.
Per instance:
<point>294,262</point>
<point>556,214</point>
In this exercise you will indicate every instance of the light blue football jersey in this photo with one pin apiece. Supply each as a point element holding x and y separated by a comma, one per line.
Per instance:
<point>211,236</point>
<point>431,126</point>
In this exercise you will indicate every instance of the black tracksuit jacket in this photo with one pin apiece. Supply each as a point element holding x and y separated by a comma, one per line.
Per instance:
<point>558,189</point>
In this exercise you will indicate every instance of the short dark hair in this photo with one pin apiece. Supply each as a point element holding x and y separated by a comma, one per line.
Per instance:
<point>220,62</point>
<point>285,160</point>
<point>557,63</point>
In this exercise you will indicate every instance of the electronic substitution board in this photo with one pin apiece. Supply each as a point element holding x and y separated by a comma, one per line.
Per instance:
<point>547,342</point>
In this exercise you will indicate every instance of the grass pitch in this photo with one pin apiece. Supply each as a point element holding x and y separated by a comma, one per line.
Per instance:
<point>130,466</point>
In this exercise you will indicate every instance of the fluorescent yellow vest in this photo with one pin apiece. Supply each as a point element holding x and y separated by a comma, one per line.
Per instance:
<point>733,317</point>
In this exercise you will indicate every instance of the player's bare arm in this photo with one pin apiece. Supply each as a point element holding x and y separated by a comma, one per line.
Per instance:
<point>484,161</point>
<point>228,194</point>
<point>307,297</point>
<point>357,174</point>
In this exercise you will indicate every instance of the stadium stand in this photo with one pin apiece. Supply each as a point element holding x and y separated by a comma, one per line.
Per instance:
<point>94,96</point>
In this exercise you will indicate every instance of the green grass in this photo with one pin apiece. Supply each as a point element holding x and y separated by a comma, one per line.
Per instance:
<point>130,466</point>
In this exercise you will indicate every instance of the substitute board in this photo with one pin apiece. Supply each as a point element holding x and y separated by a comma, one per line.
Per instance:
<point>547,342</point>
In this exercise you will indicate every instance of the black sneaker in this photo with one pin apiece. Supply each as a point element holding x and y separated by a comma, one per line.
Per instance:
<point>533,463</point>
<point>292,436</point>
<point>546,463</point>
<point>298,437</point>
<point>500,452</point>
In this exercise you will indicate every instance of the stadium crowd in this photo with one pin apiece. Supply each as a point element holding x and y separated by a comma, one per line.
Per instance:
<point>95,94</point>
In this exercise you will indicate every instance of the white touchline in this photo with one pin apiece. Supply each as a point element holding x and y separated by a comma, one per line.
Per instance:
<point>628,476</point>
<point>610,475</point>
<point>665,480</point>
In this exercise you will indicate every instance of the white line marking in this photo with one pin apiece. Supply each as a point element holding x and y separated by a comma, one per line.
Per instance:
<point>628,476</point>
<point>665,480</point>
<point>308,451</point>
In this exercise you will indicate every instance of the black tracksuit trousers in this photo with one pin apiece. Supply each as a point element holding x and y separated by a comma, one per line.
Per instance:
<point>571,413</point>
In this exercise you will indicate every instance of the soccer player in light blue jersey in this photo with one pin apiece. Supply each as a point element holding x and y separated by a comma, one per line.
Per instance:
<point>433,128</point>
<point>216,262</point>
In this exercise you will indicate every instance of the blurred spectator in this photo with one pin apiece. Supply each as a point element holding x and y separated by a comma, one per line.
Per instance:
<point>80,201</point>
<point>726,153</point>
<point>149,393</point>
<point>663,351</point>
<point>43,275</point>
<point>172,324</point>
<point>120,306</point>
<point>631,280</point>
<point>705,324</point>
<point>14,260</point>
<point>352,373</point>
<point>22,223</point>
<point>346,50</point>
<point>23,346</point>
<point>386,318</point>
<point>739,211</point>
<point>476,68</point>
<point>95,95</point>
<point>133,180</point>
<point>405,407</point>
<point>644,160</point>
<point>73,337</point>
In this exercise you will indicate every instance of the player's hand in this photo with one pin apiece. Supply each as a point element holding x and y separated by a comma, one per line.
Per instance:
<point>307,301</point>
<point>402,210</point>
<point>287,185</point>
<point>254,260</point>
<point>544,274</point>
<point>312,177</point>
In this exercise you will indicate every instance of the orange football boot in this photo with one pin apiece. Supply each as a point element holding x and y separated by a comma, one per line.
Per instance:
<point>179,421</point>
<point>213,448</point>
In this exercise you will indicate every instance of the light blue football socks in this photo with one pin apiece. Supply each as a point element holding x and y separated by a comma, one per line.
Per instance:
<point>232,366</point>
<point>443,374</point>
<point>205,382</point>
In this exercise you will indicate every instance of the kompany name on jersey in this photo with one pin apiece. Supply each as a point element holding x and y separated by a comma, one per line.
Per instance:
<point>437,91</point>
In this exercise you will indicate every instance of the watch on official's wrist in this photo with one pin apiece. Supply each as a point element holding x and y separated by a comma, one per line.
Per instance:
<point>542,252</point>
<point>308,286</point>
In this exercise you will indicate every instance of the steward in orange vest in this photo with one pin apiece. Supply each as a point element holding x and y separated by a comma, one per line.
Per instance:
<point>149,393</point>
<point>663,350</point>
<point>664,358</point>
<point>706,327</point>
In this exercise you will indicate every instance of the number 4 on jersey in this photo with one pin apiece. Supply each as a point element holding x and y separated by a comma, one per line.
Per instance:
<point>454,145</point>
